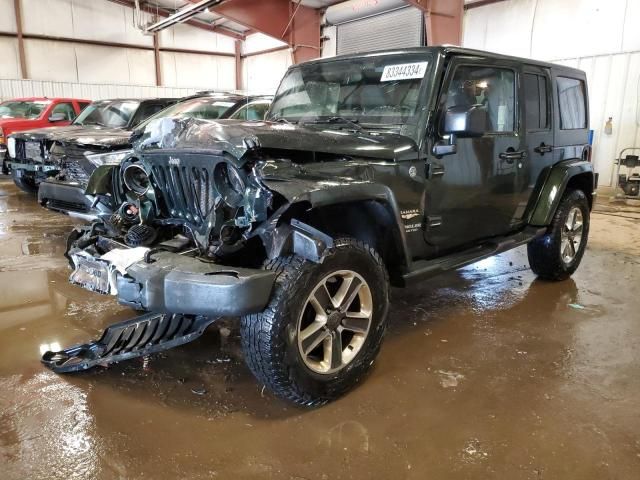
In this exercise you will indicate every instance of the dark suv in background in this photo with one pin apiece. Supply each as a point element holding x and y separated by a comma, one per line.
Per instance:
<point>75,156</point>
<point>28,151</point>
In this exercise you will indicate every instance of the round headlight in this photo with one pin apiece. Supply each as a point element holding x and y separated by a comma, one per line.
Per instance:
<point>229,184</point>
<point>136,179</point>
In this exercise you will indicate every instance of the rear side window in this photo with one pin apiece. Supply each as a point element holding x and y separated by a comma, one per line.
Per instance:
<point>536,101</point>
<point>572,102</point>
<point>83,105</point>
<point>65,109</point>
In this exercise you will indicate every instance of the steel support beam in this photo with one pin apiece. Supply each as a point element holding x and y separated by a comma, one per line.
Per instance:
<point>156,56</point>
<point>238,65</point>
<point>290,22</point>
<point>17,7</point>
<point>442,20</point>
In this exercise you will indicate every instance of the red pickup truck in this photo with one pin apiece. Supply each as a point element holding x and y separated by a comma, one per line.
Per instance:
<point>27,113</point>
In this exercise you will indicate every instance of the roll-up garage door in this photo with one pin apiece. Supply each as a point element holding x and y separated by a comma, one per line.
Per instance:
<point>400,28</point>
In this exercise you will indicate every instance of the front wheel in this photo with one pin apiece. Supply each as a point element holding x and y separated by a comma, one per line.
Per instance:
<point>323,327</point>
<point>557,254</point>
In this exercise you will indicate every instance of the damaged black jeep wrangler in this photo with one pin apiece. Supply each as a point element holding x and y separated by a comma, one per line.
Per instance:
<point>371,170</point>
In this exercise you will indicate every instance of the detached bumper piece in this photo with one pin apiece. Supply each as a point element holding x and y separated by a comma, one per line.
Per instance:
<point>140,336</point>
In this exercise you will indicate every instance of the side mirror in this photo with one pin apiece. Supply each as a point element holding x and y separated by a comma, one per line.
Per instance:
<point>57,117</point>
<point>466,122</point>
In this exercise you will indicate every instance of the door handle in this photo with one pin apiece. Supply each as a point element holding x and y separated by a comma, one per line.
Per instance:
<point>542,149</point>
<point>511,156</point>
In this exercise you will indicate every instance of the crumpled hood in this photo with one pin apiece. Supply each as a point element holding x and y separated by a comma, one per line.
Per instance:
<point>236,137</point>
<point>98,136</point>
<point>47,133</point>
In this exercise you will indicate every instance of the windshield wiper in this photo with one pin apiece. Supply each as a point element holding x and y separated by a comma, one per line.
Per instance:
<point>281,119</point>
<point>353,123</point>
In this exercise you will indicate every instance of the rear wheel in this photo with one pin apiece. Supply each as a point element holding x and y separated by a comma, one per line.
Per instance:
<point>323,327</point>
<point>556,255</point>
<point>24,182</point>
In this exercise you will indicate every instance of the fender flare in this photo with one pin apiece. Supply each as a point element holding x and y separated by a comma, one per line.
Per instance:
<point>340,194</point>
<point>555,183</point>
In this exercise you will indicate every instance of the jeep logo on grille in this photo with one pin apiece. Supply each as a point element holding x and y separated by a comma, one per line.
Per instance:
<point>174,161</point>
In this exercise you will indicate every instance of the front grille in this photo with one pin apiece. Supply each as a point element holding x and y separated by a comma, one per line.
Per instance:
<point>187,190</point>
<point>20,152</point>
<point>74,166</point>
<point>73,171</point>
<point>29,150</point>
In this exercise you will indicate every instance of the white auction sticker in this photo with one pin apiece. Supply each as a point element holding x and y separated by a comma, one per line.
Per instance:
<point>404,71</point>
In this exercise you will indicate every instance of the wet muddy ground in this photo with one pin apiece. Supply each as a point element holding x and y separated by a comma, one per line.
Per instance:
<point>484,373</point>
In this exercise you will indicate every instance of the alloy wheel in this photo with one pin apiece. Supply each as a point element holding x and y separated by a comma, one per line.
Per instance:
<point>335,321</point>
<point>571,236</point>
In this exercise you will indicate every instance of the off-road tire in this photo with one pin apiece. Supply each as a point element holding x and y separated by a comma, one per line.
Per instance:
<point>269,338</point>
<point>545,252</point>
<point>25,184</point>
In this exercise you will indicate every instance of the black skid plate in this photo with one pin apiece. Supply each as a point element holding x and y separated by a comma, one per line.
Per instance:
<point>140,336</point>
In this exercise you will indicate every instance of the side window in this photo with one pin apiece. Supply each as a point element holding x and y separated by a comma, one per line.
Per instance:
<point>146,110</point>
<point>257,111</point>
<point>490,87</point>
<point>536,101</point>
<point>253,111</point>
<point>83,105</point>
<point>572,102</point>
<point>240,114</point>
<point>66,109</point>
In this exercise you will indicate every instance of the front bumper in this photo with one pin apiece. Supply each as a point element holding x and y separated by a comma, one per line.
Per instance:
<point>32,167</point>
<point>176,284</point>
<point>70,199</point>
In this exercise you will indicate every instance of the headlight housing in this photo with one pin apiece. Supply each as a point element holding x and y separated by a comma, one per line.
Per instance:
<point>229,184</point>
<point>11,147</point>
<point>136,179</point>
<point>109,158</point>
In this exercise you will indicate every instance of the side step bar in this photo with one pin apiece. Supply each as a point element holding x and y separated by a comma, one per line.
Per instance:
<point>137,337</point>
<point>428,268</point>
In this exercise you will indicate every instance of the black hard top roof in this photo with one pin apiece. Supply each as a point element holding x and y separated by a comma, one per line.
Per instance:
<point>446,50</point>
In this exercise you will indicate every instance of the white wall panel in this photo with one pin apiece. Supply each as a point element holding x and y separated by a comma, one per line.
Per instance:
<point>7,17</point>
<point>10,64</point>
<point>199,71</point>
<point>98,64</point>
<point>88,20</point>
<point>262,73</point>
<point>330,44</point>
<point>258,42</point>
<point>27,88</point>
<point>47,17</point>
<point>601,38</point>
<point>107,22</point>
<point>49,60</point>
<point>189,38</point>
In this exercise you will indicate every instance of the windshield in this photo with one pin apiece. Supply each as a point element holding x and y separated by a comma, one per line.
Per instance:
<point>108,114</point>
<point>206,108</point>
<point>28,110</point>
<point>376,90</point>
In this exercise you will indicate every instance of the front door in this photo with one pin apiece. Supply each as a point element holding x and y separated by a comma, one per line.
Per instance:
<point>472,193</point>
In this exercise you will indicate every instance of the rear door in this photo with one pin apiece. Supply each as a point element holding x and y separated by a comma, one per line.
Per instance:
<point>472,193</point>
<point>538,120</point>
